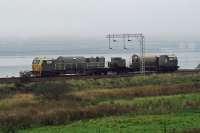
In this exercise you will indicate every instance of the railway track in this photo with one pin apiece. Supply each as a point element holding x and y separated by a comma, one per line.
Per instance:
<point>67,77</point>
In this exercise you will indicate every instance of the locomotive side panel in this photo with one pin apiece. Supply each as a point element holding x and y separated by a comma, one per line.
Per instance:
<point>168,63</point>
<point>70,65</point>
<point>79,65</point>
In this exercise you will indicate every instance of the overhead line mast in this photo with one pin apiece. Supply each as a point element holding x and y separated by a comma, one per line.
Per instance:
<point>126,37</point>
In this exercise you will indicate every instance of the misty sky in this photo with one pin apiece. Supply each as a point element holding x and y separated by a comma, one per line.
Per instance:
<point>96,18</point>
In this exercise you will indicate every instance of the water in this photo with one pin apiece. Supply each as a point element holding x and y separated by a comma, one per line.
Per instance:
<point>16,56</point>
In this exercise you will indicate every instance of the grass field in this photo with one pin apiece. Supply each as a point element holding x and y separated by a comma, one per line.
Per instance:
<point>128,124</point>
<point>156,103</point>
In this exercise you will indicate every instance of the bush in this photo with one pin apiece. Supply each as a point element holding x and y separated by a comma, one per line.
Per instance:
<point>51,90</point>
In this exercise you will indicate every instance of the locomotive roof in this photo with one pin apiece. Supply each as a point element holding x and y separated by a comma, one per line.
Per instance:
<point>172,55</point>
<point>76,57</point>
<point>71,57</point>
<point>42,58</point>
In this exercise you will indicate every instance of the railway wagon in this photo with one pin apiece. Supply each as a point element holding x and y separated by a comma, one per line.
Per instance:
<point>117,62</point>
<point>117,65</point>
<point>151,63</point>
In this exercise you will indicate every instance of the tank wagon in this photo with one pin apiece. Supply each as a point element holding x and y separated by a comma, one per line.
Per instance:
<point>97,65</point>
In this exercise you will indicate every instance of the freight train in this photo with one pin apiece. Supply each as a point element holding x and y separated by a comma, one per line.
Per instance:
<point>42,67</point>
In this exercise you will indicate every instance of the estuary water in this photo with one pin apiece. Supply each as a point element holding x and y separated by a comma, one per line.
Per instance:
<point>16,56</point>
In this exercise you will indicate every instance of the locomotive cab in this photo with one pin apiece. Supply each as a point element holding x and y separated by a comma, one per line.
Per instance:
<point>42,66</point>
<point>168,63</point>
<point>37,66</point>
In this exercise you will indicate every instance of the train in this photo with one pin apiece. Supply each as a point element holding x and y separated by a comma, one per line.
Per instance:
<point>79,65</point>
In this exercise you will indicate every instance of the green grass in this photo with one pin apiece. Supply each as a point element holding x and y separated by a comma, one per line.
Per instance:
<point>123,82</point>
<point>160,79</point>
<point>160,104</point>
<point>151,99</point>
<point>128,124</point>
<point>7,85</point>
<point>149,113</point>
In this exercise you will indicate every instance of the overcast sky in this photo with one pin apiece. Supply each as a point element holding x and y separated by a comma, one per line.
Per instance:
<point>95,18</point>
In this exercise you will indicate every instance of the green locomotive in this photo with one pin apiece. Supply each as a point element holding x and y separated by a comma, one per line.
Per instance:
<point>68,65</point>
<point>162,63</point>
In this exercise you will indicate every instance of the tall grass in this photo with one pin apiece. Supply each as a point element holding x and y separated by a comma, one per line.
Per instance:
<point>25,105</point>
<point>124,82</point>
<point>38,116</point>
<point>163,79</point>
<point>134,92</point>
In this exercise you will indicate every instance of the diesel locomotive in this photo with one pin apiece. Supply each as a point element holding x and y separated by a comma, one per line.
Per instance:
<point>97,65</point>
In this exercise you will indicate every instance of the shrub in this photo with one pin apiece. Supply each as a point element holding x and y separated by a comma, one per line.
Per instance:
<point>51,90</point>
